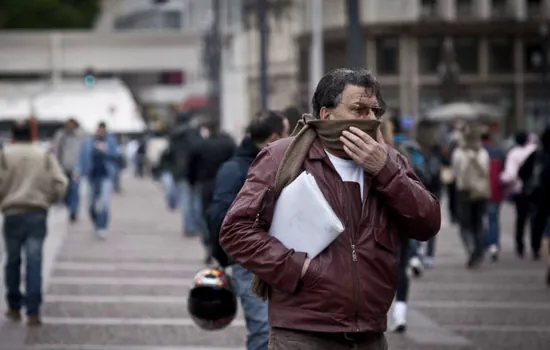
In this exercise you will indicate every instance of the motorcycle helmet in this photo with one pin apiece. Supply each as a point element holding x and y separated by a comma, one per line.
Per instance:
<point>212,302</point>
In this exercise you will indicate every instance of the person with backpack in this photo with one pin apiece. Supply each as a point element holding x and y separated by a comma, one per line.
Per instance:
<point>470,163</point>
<point>266,128</point>
<point>31,181</point>
<point>518,179</point>
<point>340,298</point>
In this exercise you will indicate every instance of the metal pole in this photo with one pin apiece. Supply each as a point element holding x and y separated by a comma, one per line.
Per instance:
<point>545,36</point>
<point>317,49</point>
<point>264,83</point>
<point>213,56</point>
<point>355,40</point>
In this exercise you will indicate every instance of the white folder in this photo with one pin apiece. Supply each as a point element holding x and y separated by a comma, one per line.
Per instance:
<point>303,219</point>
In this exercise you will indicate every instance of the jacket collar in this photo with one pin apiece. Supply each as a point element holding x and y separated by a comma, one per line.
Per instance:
<point>317,152</point>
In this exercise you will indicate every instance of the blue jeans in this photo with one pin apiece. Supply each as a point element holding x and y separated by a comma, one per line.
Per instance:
<point>25,231</point>
<point>170,191</point>
<point>255,310</point>
<point>100,201</point>
<point>191,208</point>
<point>72,198</point>
<point>492,235</point>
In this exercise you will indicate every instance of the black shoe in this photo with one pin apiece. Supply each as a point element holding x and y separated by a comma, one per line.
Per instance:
<point>536,256</point>
<point>402,328</point>
<point>548,277</point>
<point>72,218</point>
<point>208,260</point>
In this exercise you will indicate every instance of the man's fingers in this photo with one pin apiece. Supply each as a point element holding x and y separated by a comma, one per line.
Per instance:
<point>351,145</point>
<point>354,138</point>
<point>362,135</point>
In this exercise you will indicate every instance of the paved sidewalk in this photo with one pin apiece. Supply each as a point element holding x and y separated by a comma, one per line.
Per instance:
<point>129,292</point>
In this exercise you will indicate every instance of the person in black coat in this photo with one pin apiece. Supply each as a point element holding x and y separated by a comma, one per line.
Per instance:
<point>267,128</point>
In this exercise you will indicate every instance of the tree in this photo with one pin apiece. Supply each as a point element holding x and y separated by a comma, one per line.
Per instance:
<point>48,14</point>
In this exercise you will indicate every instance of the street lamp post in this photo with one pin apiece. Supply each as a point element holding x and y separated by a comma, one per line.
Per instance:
<point>545,67</point>
<point>448,71</point>
<point>355,37</point>
<point>213,58</point>
<point>264,36</point>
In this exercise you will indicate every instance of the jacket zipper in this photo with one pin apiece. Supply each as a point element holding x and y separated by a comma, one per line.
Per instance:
<point>354,264</point>
<point>261,209</point>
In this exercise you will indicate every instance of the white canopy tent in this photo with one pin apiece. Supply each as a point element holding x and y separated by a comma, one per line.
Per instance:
<point>109,101</point>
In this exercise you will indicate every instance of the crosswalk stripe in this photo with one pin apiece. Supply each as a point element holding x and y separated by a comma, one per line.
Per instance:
<point>108,321</point>
<point>122,281</point>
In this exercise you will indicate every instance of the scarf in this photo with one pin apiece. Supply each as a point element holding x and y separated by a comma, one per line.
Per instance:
<point>305,133</point>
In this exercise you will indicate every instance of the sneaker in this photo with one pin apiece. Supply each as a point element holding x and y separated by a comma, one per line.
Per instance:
<point>416,266</point>
<point>493,252</point>
<point>13,315</point>
<point>34,321</point>
<point>399,317</point>
<point>102,234</point>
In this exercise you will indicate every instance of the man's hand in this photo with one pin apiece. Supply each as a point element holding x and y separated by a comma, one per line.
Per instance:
<point>305,267</point>
<point>371,155</point>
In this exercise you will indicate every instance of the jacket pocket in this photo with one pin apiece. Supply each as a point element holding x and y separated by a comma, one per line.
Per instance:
<point>311,276</point>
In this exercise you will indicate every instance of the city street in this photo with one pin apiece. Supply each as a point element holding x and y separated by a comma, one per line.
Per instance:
<point>129,292</point>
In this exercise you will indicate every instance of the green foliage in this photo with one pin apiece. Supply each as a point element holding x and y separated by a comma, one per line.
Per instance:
<point>48,14</point>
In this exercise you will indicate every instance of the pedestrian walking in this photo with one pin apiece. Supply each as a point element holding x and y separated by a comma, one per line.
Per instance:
<point>266,128</point>
<point>496,166</point>
<point>518,170</point>
<point>98,162</point>
<point>206,158</point>
<point>66,145</point>
<point>31,181</point>
<point>338,299</point>
<point>471,165</point>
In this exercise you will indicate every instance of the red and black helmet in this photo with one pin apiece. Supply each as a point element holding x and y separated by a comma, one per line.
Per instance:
<point>212,302</point>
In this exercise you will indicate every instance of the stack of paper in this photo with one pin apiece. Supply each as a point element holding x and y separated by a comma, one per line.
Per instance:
<point>303,219</point>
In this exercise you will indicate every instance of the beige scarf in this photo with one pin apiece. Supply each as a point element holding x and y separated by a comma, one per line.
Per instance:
<point>306,131</point>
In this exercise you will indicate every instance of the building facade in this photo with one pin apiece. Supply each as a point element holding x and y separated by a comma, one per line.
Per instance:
<point>497,44</point>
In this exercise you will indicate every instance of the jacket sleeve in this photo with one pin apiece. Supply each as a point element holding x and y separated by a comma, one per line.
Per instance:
<point>416,210</point>
<point>244,234</point>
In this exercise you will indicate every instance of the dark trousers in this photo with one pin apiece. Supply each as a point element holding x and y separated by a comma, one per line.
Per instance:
<point>526,212</point>
<point>24,231</point>
<point>453,202</point>
<point>286,339</point>
<point>402,276</point>
<point>471,215</point>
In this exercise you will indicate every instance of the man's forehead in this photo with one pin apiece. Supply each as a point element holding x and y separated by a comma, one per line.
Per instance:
<point>355,94</point>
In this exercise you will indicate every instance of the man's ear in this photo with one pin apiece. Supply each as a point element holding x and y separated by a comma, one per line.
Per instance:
<point>324,113</point>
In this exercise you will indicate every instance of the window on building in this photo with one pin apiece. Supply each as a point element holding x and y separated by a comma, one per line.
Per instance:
<point>533,57</point>
<point>428,9</point>
<point>387,55</point>
<point>501,55</point>
<point>429,50</point>
<point>467,54</point>
<point>534,8</point>
<point>500,8</point>
<point>464,8</point>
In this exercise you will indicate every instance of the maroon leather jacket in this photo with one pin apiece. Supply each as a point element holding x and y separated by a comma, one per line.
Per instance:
<point>350,286</point>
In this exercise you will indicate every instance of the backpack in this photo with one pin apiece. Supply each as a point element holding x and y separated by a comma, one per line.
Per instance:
<point>531,186</point>
<point>475,180</point>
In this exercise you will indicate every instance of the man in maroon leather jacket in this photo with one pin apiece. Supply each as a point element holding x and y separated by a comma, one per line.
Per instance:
<point>341,297</point>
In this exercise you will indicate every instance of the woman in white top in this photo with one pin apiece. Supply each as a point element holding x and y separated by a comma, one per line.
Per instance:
<point>470,163</point>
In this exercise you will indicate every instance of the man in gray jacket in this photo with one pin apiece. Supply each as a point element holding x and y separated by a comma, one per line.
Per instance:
<point>31,180</point>
<point>67,143</point>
